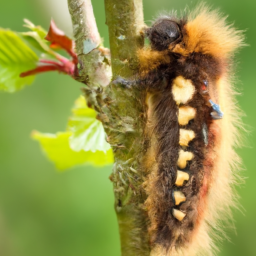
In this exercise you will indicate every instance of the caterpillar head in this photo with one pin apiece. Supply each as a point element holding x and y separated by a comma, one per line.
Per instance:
<point>203,31</point>
<point>163,33</point>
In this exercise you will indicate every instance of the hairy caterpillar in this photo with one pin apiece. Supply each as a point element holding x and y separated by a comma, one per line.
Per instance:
<point>190,161</point>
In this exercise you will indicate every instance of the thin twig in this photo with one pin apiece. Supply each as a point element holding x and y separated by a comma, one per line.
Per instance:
<point>84,24</point>
<point>92,69</point>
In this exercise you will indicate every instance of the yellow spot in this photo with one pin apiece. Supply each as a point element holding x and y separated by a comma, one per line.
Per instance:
<point>184,156</point>
<point>179,215</point>
<point>186,136</point>
<point>182,90</point>
<point>179,197</point>
<point>181,177</point>
<point>186,114</point>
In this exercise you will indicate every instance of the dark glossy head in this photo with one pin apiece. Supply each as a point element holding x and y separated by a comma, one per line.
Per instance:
<point>163,33</point>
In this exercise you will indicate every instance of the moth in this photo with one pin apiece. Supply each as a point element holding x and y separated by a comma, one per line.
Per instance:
<point>190,131</point>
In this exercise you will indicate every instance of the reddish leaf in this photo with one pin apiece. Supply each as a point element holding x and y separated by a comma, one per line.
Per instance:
<point>58,38</point>
<point>55,46</point>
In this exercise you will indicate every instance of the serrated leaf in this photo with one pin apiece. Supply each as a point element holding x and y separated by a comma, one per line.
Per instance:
<point>57,149</point>
<point>87,132</point>
<point>83,143</point>
<point>15,58</point>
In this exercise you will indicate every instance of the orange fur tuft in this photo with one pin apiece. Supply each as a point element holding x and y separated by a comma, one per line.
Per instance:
<point>209,33</point>
<point>150,59</point>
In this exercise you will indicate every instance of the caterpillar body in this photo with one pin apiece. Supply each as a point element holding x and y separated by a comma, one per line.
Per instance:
<point>190,162</point>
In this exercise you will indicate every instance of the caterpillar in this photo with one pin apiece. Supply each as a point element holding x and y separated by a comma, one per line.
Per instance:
<point>190,131</point>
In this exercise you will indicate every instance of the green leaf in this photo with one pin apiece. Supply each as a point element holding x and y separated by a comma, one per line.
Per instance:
<point>36,41</point>
<point>83,143</point>
<point>38,29</point>
<point>87,132</point>
<point>36,37</point>
<point>15,58</point>
<point>57,149</point>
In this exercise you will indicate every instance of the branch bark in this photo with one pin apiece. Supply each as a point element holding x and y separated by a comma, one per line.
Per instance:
<point>125,21</point>
<point>93,68</point>
<point>120,109</point>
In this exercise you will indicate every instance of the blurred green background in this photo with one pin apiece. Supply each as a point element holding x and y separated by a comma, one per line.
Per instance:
<point>47,213</point>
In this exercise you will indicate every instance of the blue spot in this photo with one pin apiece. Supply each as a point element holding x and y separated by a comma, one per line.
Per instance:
<point>89,46</point>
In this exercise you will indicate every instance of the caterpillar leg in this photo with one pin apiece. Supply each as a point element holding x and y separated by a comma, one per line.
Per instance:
<point>125,83</point>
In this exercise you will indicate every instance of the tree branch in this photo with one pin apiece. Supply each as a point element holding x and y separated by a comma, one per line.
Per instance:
<point>120,109</point>
<point>125,23</point>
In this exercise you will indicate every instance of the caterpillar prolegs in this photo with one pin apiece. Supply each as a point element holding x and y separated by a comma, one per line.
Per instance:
<point>191,130</point>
